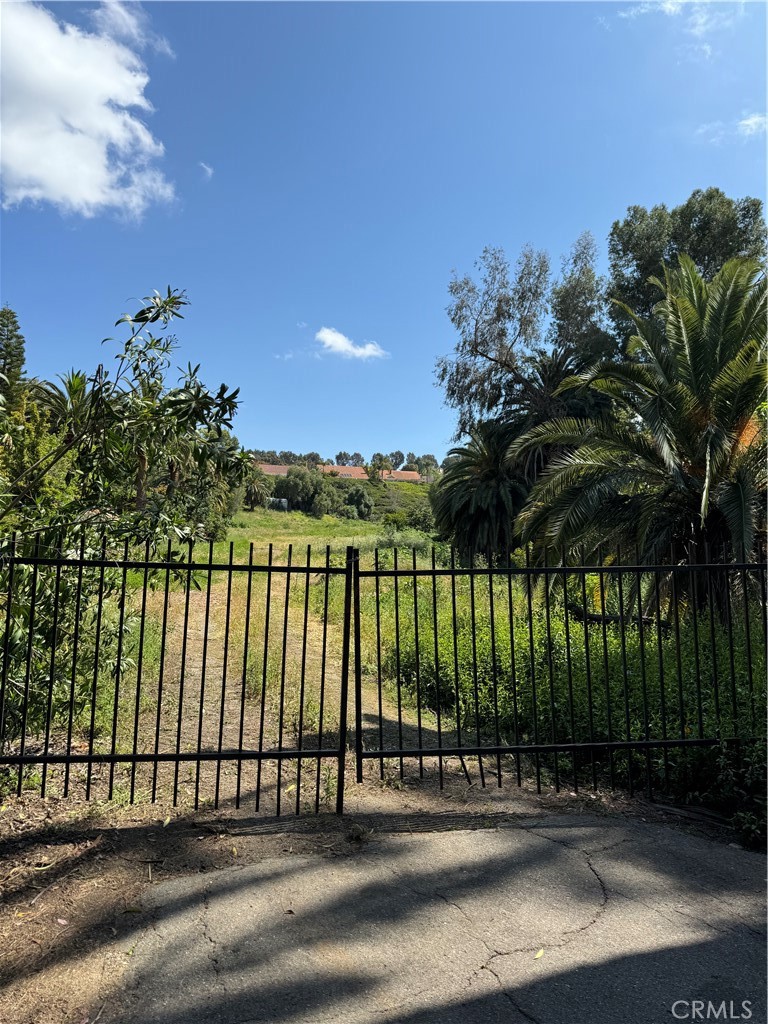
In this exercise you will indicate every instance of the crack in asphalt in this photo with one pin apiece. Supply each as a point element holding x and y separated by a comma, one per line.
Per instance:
<point>212,955</point>
<point>504,991</point>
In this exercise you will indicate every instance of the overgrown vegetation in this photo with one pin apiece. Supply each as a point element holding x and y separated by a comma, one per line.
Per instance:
<point>591,427</point>
<point>99,464</point>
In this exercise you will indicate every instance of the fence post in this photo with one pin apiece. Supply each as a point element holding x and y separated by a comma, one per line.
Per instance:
<point>358,669</point>
<point>343,697</point>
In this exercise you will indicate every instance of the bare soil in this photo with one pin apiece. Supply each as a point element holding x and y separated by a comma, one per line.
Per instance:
<point>72,873</point>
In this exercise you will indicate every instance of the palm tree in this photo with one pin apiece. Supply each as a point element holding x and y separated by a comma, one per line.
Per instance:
<point>680,468</point>
<point>257,488</point>
<point>479,494</point>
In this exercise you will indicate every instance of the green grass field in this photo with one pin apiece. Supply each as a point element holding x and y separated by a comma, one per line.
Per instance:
<point>281,529</point>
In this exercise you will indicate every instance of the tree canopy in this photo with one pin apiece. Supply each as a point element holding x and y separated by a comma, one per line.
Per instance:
<point>686,468</point>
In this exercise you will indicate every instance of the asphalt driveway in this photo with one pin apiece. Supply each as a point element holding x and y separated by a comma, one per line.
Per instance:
<point>552,919</point>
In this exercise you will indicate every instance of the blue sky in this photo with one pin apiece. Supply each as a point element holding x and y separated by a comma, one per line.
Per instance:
<point>312,173</point>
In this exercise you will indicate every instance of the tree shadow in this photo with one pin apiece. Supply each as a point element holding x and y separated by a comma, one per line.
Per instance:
<point>311,964</point>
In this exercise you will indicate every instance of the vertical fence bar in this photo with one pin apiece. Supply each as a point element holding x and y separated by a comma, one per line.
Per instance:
<point>713,643</point>
<point>588,668</point>
<point>569,669</point>
<point>203,669</point>
<point>438,681</point>
<point>675,607</point>
<point>322,675</point>
<point>512,670</point>
<point>662,694</point>
<point>182,673</point>
<point>225,666</point>
<point>161,668</point>
<point>475,683</point>
<point>643,677</point>
<point>51,676</point>
<point>243,691</point>
<point>694,588</point>
<point>358,667</point>
<point>624,667</point>
<point>139,666</point>
<point>532,651</point>
<point>28,665</point>
<point>732,666</point>
<point>606,672</point>
<point>96,666</point>
<point>494,672</point>
<point>378,661</point>
<point>281,707</point>
<point>265,670</point>
<point>748,644</point>
<point>417,656</point>
<point>397,661</point>
<point>302,680</point>
<point>455,632</point>
<point>73,675</point>
<point>551,669</point>
<point>343,696</point>
<point>118,669</point>
<point>7,641</point>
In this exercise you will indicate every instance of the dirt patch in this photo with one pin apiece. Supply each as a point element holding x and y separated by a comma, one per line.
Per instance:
<point>74,874</point>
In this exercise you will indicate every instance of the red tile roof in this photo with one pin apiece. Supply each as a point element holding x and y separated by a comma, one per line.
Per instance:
<point>401,474</point>
<point>346,472</point>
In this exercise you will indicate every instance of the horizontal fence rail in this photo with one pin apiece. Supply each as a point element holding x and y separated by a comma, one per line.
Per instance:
<point>193,675</point>
<point>178,677</point>
<point>619,673</point>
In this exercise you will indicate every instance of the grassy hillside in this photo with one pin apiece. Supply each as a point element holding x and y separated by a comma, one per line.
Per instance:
<point>266,526</point>
<point>405,504</point>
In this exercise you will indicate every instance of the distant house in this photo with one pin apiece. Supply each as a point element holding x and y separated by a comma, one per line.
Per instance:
<point>346,472</point>
<point>351,473</point>
<point>405,475</point>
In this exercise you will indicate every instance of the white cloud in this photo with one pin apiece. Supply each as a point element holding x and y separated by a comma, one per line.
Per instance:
<point>129,23</point>
<point>301,324</point>
<point>697,18</point>
<point>71,134</point>
<point>716,132</point>
<point>650,7</point>
<point>713,131</point>
<point>337,344</point>
<point>695,51</point>
<point>207,170</point>
<point>752,124</point>
<point>707,18</point>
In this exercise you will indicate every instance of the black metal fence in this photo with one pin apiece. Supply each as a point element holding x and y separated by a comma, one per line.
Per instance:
<point>611,674</point>
<point>128,676</point>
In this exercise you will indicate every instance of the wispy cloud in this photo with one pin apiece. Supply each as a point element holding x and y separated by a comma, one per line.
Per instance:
<point>129,23</point>
<point>336,343</point>
<point>207,170</point>
<point>301,324</point>
<point>714,132</point>
<point>698,19</point>
<point>72,133</point>
<point>284,356</point>
<point>752,124</point>
<point>651,7</point>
